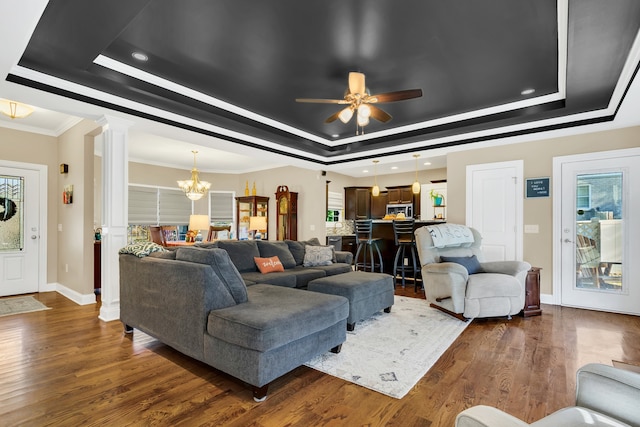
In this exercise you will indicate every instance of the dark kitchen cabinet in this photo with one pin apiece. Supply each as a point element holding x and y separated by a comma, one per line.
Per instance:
<point>357,202</point>
<point>397,195</point>
<point>379,205</point>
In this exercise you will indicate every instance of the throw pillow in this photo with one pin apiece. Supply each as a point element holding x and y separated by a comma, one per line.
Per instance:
<point>318,255</point>
<point>142,249</point>
<point>268,265</point>
<point>471,263</point>
<point>269,248</point>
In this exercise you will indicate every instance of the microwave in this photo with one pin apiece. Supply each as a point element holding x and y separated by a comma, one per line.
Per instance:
<point>405,208</point>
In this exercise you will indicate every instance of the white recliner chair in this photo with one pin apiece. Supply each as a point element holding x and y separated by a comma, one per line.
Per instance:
<point>605,396</point>
<point>493,289</point>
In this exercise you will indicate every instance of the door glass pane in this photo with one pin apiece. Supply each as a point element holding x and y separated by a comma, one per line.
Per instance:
<point>11,213</point>
<point>599,231</point>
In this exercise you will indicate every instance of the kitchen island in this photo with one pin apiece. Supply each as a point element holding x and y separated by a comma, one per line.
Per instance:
<point>383,229</point>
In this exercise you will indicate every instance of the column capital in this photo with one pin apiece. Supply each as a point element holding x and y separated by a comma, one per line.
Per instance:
<point>114,122</point>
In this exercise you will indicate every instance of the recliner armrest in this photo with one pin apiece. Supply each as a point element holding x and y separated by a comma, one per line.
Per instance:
<point>512,268</point>
<point>611,391</point>
<point>446,268</point>
<point>486,416</point>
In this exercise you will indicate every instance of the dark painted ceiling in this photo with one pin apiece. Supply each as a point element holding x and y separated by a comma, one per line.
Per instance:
<point>260,56</point>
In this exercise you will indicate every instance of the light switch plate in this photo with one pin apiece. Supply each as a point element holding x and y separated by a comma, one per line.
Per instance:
<point>531,228</point>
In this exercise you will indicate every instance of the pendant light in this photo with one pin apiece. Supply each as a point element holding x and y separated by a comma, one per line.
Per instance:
<point>375,191</point>
<point>415,188</point>
<point>193,188</point>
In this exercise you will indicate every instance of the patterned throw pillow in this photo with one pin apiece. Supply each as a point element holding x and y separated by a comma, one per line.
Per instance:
<point>142,249</point>
<point>318,255</point>
<point>268,265</point>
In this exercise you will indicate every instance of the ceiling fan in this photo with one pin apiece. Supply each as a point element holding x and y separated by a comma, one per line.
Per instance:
<point>358,100</point>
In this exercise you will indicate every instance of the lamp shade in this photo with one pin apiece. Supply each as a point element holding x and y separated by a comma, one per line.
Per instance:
<point>258,223</point>
<point>199,222</point>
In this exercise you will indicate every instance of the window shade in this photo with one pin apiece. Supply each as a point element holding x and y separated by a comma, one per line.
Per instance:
<point>334,201</point>
<point>221,205</point>
<point>173,207</point>
<point>143,205</point>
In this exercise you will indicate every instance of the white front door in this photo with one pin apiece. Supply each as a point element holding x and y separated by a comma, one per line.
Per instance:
<point>19,230</point>
<point>494,208</point>
<point>599,231</point>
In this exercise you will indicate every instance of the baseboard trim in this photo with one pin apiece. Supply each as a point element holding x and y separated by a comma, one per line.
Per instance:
<point>75,296</point>
<point>546,299</point>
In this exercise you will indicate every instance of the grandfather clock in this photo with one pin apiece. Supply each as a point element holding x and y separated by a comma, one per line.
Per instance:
<point>287,214</point>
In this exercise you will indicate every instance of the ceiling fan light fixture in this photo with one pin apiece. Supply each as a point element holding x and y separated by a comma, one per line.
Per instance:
<point>345,115</point>
<point>193,188</point>
<point>362,121</point>
<point>364,111</point>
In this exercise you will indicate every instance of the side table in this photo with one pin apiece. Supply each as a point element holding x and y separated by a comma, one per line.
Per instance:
<point>532,293</point>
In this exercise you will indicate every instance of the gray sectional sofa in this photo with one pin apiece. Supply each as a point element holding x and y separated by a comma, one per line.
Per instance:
<point>291,253</point>
<point>195,300</point>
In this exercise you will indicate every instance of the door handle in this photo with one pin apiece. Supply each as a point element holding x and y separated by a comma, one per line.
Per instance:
<point>568,241</point>
<point>34,236</point>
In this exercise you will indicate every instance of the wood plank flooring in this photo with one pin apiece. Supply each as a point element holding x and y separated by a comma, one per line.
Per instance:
<point>65,367</point>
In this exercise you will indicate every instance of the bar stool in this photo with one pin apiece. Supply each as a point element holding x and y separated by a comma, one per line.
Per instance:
<point>406,242</point>
<point>364,231</point>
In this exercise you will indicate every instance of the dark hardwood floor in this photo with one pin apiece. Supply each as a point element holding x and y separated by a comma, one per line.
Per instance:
<point>66,367</point>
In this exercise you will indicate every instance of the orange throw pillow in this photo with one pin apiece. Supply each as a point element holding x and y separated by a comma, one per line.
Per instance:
<point>268,265</point>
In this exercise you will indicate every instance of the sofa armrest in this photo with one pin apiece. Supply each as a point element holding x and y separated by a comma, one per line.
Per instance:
<point>611,391</point>
<point>344,257</point>
<point>169,300</point>
<point>486,416</point>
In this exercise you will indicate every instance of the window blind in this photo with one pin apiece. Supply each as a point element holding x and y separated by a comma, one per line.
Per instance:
<point>221,206</point>
<point>143,205</point>
<point>173,207</point>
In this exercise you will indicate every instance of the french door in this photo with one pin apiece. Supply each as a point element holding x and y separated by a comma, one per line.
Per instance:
<point>599,211</point>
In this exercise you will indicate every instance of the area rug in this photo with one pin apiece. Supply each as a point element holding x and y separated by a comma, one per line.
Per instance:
<point>18,305</point>
<point>390,352</point>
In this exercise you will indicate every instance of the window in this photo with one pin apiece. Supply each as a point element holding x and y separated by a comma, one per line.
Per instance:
<point>583,196</point>
<point>222,207</point>
<point>335,208</point>
<point>155,206</point>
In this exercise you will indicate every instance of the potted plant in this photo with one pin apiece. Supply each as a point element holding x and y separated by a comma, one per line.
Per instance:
<point>436,197</point>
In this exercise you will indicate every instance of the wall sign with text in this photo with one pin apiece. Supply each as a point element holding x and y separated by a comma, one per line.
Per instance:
<point>537,187</point>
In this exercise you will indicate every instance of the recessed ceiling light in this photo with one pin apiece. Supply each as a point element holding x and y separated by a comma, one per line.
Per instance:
<point>394,167</point>
<point>365,171</point>
<point>527,91</point>
<point>426,163</point>
<point>140,56</point>
<point>335,135</point>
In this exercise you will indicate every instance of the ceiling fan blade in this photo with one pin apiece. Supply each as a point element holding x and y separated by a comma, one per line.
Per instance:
<point>400,95</point>
<point>380,115</point>
<point>322,101</point>
<point>333,117</point>
<point>356,83</point>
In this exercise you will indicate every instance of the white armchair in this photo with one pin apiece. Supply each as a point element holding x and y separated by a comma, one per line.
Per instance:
<point>605,396</point>
<point>497,289</point>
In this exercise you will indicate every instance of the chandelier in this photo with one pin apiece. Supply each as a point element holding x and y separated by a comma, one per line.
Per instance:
<point>193,188</point>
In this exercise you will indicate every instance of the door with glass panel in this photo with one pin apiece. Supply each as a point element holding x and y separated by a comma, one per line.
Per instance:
<point>598,222</point>
<point>19,234</point>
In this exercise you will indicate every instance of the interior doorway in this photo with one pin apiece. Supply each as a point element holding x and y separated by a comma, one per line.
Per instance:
<point>596,209</point>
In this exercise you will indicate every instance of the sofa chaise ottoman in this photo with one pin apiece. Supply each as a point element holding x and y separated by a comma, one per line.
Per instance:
<point>194,300</point>
<point>367,293</point>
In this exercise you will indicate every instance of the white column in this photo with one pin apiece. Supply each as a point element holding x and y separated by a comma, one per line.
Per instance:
<point>115,179</point>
